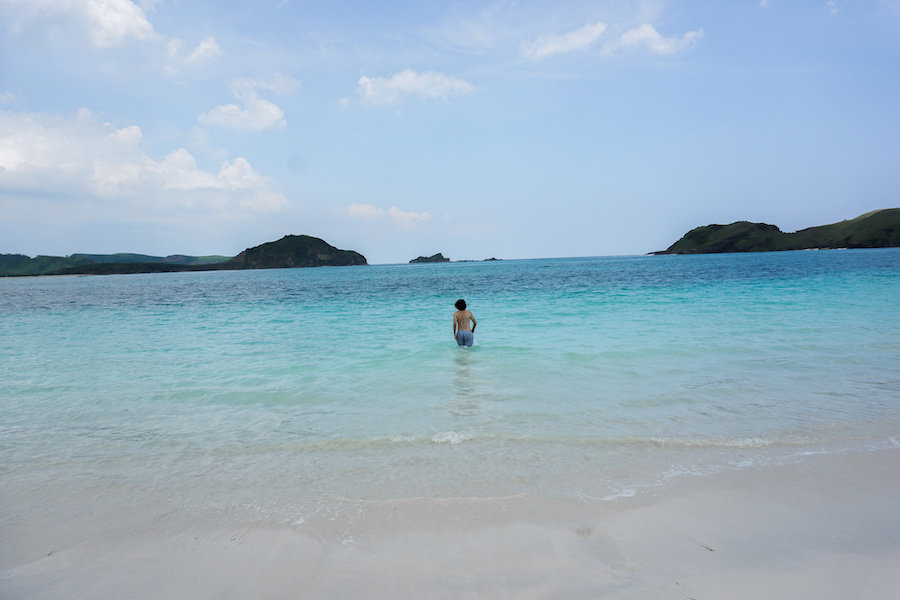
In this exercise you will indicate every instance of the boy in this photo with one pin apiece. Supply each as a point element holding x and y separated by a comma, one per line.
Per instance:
<point>463,324</point>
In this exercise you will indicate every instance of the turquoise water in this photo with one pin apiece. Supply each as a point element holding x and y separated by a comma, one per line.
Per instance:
<point>281,395</point>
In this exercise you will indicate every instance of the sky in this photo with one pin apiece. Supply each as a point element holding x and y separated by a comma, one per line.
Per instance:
<point>508,129</point>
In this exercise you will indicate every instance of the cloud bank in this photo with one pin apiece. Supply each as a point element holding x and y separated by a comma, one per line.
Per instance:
<point>642,38</point>
<point>107,22</point>
<point>110,24</point>
<point>52,157</point>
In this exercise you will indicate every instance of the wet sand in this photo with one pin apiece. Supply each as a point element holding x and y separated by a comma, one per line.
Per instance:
<point>827,527</point>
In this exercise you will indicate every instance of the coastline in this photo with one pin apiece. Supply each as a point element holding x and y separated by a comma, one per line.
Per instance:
<point>824,527</point>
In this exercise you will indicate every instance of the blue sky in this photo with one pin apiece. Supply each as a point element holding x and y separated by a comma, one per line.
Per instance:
<point>477,129</point>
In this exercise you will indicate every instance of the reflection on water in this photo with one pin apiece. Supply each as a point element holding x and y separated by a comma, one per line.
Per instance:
<point>465,382</point>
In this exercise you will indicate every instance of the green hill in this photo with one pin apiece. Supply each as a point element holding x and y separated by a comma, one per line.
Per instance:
<point>19,264</point>
<point>876,229</point>
<point>294,251</point>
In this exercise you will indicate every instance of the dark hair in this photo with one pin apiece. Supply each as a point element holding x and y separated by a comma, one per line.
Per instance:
<point>460,304</point>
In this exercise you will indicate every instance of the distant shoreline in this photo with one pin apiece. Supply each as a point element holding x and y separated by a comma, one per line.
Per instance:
<point>875,229</point>
<point>200,268</point>
<point>288,252</point>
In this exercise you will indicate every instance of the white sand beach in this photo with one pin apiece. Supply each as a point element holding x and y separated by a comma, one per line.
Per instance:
<point>824,528</point>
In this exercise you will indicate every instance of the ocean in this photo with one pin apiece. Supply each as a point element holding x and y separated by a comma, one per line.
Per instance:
<point>285,397</point>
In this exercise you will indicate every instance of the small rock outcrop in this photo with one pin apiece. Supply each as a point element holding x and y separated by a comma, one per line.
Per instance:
<point>435,258</point>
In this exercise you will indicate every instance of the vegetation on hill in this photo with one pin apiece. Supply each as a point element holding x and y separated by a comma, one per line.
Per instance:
<point>178,259</point>
<point>19,264</point>
<point>294,251</point>
<point>876,229</point>
<point>130,268</point>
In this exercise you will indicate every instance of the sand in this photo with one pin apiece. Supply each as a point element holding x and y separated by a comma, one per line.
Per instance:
<point>826,527</point>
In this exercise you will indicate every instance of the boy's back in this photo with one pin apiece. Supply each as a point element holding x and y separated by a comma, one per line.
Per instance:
<point>464,324</point>
<point>463,320</point>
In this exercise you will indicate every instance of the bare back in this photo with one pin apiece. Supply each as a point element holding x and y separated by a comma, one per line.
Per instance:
<point>462,320</point>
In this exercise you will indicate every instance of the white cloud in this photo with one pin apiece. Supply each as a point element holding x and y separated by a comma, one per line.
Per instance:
<point>256,114</point>
<point>365,211</point>
<point>253,113</point>
<point>113,21</point>
<point>407,218</point>
<point>578,39</point>
<point>6,98</point>
<point>108,22</point>
<point>429,85</point>
<point>647,38</point>
<point>206,49</point>
<point>47,156</point>
<point>399,217</point>
<point>179,58</point>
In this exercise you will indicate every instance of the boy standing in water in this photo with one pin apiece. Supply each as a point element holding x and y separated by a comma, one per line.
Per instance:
<point>463,324</point>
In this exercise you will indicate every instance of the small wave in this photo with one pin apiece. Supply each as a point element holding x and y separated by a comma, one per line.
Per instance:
<point>695,470</point>
<point>452,437</point>
<point>455,438</point>
<point>712,442</point>
<point>430,500</point>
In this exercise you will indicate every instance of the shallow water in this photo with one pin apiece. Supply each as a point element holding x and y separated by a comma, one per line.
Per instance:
<point>278,396</point>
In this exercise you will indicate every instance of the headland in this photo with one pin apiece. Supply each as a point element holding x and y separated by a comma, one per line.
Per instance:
<point>876,229</point>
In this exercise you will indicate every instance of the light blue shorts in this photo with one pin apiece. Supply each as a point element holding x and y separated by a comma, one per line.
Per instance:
<point>465,338</point>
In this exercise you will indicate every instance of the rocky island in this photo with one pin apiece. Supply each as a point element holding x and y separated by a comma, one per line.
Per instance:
<point>434,258</point>
<point>876,229</point>
<point>289,252</point>
<point>439,258</point>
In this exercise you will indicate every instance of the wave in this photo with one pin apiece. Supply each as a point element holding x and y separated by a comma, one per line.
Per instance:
<point>462,439</point>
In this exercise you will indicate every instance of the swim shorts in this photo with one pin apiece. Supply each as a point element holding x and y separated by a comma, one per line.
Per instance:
<point>465,338</point>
